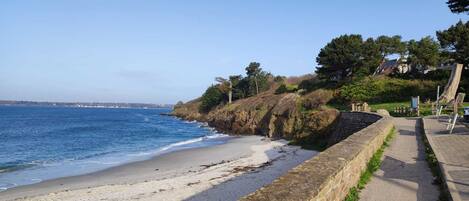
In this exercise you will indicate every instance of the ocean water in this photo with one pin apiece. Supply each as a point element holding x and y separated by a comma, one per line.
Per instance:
<point>42,143</point>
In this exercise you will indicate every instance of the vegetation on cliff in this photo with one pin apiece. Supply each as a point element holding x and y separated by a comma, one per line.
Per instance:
<point>211,98</point>
<point>236,87</point>
<point>386,89</point>
<point>289,115</point>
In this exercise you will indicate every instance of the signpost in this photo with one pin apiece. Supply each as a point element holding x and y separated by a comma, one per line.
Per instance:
<point>415,104</point>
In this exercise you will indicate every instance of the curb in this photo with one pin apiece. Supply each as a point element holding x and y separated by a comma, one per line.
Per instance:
<point>448,186</point>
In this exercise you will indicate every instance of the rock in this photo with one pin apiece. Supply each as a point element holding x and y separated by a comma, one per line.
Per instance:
<point>383,112</point>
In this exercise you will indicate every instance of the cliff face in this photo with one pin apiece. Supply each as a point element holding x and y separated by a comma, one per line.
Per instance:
<point>267,114</point>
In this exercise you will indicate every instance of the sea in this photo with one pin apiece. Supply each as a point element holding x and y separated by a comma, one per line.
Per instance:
<point>43,143</point>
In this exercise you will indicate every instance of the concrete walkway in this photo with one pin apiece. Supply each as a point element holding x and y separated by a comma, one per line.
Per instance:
<point>452,152</point>
<point>404,174</point>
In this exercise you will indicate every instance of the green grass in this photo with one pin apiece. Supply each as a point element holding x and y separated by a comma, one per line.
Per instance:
<point>388,106</point>
<point>425,109</point>
<point>372,166</point>
<point>353,195</point>
<point>292,87</point>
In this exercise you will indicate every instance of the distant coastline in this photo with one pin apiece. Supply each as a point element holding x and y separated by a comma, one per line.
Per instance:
<point>84,104</point>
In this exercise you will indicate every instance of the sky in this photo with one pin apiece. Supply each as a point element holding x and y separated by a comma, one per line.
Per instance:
<point>166,51</point>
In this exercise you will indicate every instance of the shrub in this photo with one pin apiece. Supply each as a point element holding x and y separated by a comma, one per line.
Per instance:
<point>178,104</point>
<point>286,88</point>
<point>437,75</point>
<point>314,83</point>
<point>308,85</point>
<point>211,98</point>
<point>317,98</point>
<point>279,78</point>
<point>358,91</point>
<point>385,89</point>
<point>281,89</point>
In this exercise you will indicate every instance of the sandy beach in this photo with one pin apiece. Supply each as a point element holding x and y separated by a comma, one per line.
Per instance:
<point>221,172</point>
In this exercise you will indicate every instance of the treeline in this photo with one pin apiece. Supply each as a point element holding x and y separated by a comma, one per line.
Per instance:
<point>348,66</point>
<point>350,56</point>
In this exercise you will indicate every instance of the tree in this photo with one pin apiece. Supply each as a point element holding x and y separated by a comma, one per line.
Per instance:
<point>372,56</point>
<point>340,58</point>
<point>423,53</point>
<point>252,71</point>
<point>455,42</point>
<point>211,98</point>
<point>390,45</point>
<point>225,86</point>
<point>236,92</point>
<point>348,56</point>
<point>458,6</point>
<point>242,89</point>
<point>281,89</point>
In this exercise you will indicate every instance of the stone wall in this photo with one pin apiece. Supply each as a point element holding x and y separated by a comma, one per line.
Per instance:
<point>330,175</point>
<point>349,123</point>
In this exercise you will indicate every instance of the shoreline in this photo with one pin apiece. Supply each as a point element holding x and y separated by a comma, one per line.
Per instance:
<point>188,144</point>
<point>247,162</point>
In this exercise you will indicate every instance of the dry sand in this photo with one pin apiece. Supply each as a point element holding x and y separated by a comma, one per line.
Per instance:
<point>222,172</point>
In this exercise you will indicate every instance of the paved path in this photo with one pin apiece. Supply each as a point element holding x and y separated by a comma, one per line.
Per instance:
<point>452,152</point>
<point>404,174</point>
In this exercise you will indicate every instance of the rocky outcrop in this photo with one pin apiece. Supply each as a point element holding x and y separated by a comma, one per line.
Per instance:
<point>267,114</point>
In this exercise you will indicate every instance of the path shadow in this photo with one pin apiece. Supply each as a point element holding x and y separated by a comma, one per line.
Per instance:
<point>417,172</point>
<point>396,169</point>
<point>456,131</point>
<point>462,183</point>
<point>440,130</point>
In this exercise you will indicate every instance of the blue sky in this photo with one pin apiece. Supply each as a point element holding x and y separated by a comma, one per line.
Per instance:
<point>165,51</point>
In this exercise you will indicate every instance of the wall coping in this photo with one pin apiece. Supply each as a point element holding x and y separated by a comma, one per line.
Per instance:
<point>330,174</point>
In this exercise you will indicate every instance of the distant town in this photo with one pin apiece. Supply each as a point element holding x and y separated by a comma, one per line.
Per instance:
<point>83,104</point>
